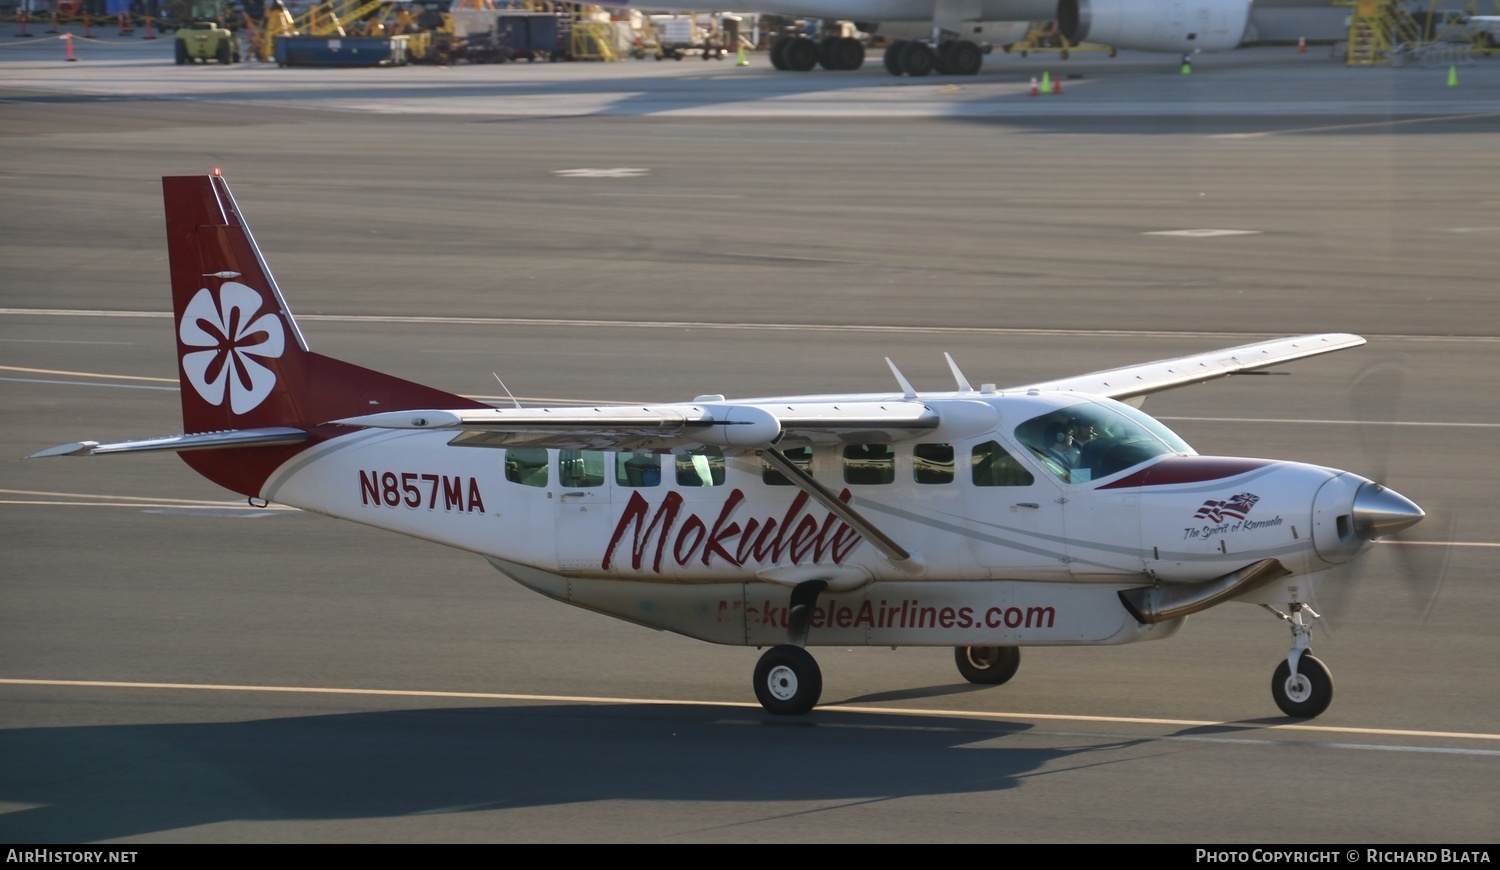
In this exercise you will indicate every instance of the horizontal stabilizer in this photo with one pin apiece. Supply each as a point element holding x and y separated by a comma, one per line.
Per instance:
<point>180,443</point>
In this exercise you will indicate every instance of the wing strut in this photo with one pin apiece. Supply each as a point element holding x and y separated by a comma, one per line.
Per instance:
<point>893,552</point>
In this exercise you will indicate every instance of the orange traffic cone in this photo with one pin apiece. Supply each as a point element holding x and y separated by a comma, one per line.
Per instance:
<point>1057,85</point>
<point>150,34</point>
<point>68,38</point>
<point>1301,45</point>
<point>1034,89</point>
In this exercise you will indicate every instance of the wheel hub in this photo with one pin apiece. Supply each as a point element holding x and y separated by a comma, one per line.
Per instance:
<point>782,681</point>
<point>983,658</point>
<point>1299,688</point>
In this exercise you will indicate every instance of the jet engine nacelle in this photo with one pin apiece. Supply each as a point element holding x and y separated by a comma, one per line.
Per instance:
<point>1154,25</point>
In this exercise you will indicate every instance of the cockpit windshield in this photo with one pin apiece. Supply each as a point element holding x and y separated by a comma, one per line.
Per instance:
<point>1095,439</point>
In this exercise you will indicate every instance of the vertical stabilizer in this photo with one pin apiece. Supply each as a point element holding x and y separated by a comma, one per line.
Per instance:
<point>242,361</point>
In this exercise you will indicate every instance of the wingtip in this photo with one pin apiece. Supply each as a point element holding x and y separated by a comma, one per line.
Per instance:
<point>77,448</point>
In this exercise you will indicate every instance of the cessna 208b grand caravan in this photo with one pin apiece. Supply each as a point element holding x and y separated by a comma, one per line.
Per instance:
<point>1048,514</point>
<point>950,36</point>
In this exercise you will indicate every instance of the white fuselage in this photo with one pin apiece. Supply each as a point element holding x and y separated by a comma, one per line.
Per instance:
<point>1019,557</point>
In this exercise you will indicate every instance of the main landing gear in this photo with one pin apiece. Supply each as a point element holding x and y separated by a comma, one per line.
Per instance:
<point>801,53</point>
<point>906,57</point>
<point>987,665</point>
<point>912,58</point>
<point>788,681</point>
<point>1301,685</point>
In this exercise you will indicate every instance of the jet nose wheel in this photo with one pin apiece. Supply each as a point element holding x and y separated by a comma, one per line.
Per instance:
<point>788,681</point>
<point>1306,695</point>
<point>987,665</point>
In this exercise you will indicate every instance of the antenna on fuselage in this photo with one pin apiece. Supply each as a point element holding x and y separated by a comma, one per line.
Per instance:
<point>901,379</point>
<point>963,382</point>
<point>507,390</point>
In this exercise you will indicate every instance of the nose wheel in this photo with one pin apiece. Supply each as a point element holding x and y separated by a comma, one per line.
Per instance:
<point>1306,693</point>
<point>1301,686</point>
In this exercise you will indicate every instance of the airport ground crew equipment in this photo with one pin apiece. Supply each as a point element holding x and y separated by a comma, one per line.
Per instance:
<point>1046,36</point>
<point>206,37</point>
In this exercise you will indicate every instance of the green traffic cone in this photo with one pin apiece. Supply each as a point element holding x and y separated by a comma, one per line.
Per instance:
<point>1046,82</point>
<point>1187,67</point>
<point>1452,76</point>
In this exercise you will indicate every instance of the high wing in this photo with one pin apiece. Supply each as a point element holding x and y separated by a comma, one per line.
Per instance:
<point>750,424</point>
<point>753,423</point>
<point>747,424</point>
<point>1137,381</point>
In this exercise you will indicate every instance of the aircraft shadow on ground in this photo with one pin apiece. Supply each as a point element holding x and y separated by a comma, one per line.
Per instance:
<point>87,784</point>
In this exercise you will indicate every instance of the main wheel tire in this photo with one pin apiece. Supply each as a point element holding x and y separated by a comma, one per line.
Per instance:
<point>1306,696</point>
<point>778,51</point>
<point>917,59</point>
<point>964,58</point>
<point>849,53</point>
<point>801,54</point>
<point>940,59</point>
<point>788,681</point>
<point>826,59</point>
<point>893,57</point>
<point>182,55</point>
<point>987,665</point>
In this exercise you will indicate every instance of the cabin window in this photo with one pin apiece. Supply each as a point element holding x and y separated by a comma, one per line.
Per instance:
<point>869,464</point>
<point>932,463</point>
<point>993,466</point>
<point>703,466</point>
<point>801,457</point>
<point>580,468</point>
<point>637,469</point>
<point>526,466</point>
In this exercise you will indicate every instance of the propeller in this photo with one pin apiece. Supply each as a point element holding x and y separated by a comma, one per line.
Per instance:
<point>1379,511</point>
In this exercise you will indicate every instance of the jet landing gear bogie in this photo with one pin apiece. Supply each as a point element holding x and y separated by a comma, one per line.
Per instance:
<point>1302,685</point>
<point>801,53</point>
<point>915,58</point>
<point>788,681</point>
<point>794,53</point>
<point>987,665</point>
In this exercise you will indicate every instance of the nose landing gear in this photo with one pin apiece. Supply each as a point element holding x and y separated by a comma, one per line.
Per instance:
<point>1301,686</point>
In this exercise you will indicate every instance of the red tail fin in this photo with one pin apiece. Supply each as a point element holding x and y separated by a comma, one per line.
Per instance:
<point>243,363</point>
<point>241,356</point>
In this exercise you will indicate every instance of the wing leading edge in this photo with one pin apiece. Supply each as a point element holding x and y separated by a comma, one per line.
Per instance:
<point>663,427</point>
<point>1143,379</point>
<point>754,423</point>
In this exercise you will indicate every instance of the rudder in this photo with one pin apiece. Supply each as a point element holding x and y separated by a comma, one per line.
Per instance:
<point>242,361</point>
<point>240,354</point>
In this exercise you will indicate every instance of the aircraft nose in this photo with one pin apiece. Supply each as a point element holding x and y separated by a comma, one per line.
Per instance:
<point>1379,511</point>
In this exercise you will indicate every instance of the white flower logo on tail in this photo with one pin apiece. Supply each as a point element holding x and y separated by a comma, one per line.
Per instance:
<point>233,335</point>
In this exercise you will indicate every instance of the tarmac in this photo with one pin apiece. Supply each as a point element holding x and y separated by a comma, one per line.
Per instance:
<point>1274,80</point>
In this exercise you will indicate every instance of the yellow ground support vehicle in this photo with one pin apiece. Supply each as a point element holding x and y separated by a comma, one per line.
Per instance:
<point>205,37</point>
